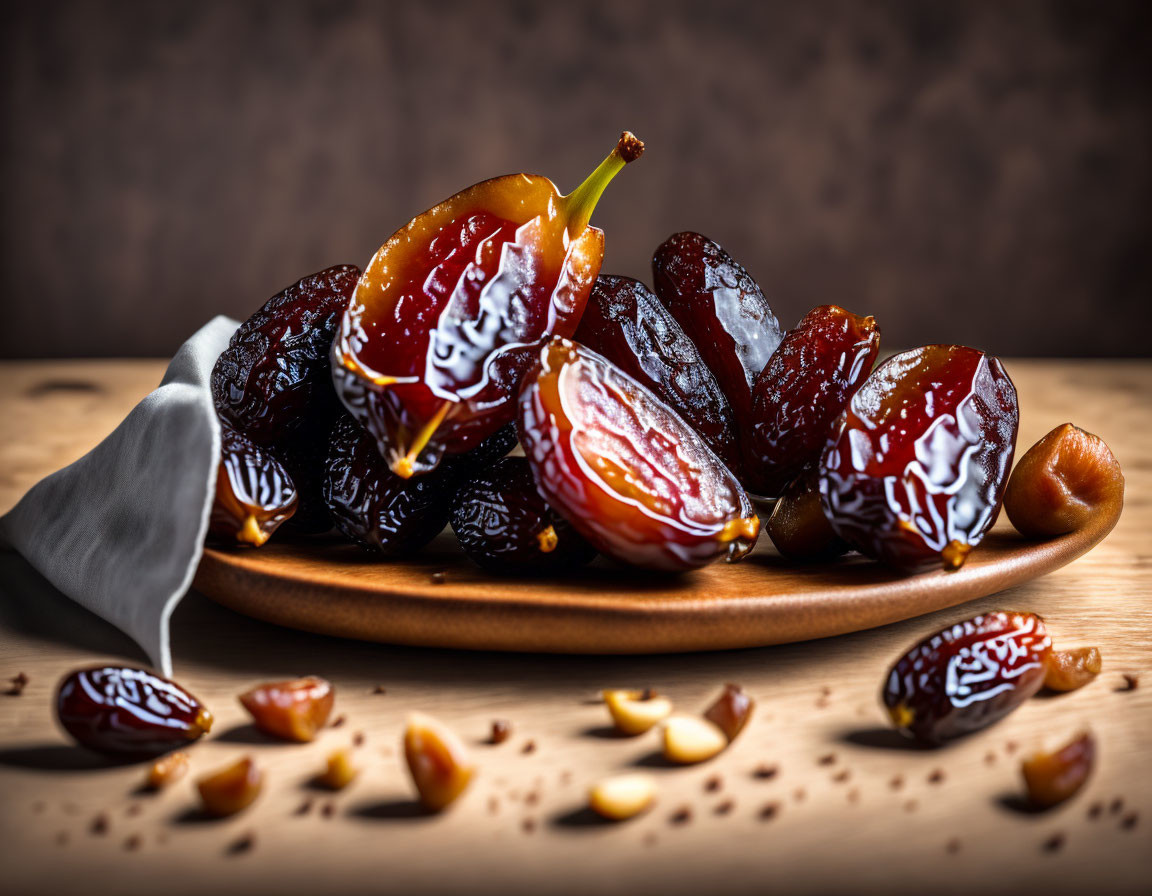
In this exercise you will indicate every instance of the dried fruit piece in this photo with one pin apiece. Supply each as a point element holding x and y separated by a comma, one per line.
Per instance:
<point>624,470</point>
<point>231,789</point>
<point>505,525</point>
<point>716,301</point>
<point>803,389</point>
<point>967,676</point>
<point>129,712</point>
<point>634,712</point>
<point>688,739</point>
<point>254,493</point>
<point>375,507</point>
<point>454,307</point>
<point>167,770</point>
<point>440,766</point>
<point>798,527</point>
<point>626,323</point>
<point>1052,778</point>
<point>915,471</point>
<point>731,711</point>
<point>291,710</point>
<point>339,771</point>
<point>622,796</point>
<point>1069,670</point>
<point>1062,482</point>
<point>275,375</point>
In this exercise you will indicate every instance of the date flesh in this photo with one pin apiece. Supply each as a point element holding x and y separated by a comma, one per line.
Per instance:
<point>915,470</point>
<point>624,469</point>
<point>254,493</point>
<point>967,676</point>
<point>290,710</point>
<point>625,322</point>
<point>505,525</point>
<point>231,789</point>
<point>129,712</point>
<point>716,301</point>
<point>1052,778</point>
<point>275,374</point>
<point>1070,670</point>
<point>807,383</point>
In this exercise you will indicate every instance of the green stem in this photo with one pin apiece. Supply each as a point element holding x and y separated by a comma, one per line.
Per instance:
<point>581,202</point>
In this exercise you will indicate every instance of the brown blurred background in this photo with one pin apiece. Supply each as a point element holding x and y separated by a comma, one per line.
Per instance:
<point>973,172</point>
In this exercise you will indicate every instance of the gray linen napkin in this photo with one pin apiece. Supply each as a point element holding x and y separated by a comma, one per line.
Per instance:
<point>121,530</point>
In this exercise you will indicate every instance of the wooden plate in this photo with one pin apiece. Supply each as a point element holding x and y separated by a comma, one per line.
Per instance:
<point>337,589</point>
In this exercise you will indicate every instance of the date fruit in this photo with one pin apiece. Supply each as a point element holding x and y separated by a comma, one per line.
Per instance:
<point>437,760</point>
<point>129,712</point>
<point>798,527</point>
<point>1062,482</point>
<point>290,710</point>
<point>632,477</point>
<point>254,493</point>
<point>731,711</point>
<point>967,676</point>
<point>915,470</point>
<point>626,324</point>
<point>454,307</point>
<point>716,301</point>
<point>806,385</point>
<point>231,789</point>
<point>372,505</point>
<point>1069,670</point>
<point>505,526</point>
<point>275,374</point>
<point>1052,778</point>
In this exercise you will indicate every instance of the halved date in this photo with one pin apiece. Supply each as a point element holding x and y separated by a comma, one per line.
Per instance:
<point>626,324</point>
<point>630,475</point>
<point>915,471</point>
<point>967,676</point>
<point>129,712</point>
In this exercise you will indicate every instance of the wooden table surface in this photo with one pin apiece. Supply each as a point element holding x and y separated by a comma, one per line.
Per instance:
<point>878,817</point>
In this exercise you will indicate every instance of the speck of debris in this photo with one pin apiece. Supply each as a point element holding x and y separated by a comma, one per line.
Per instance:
<point>1130,821</point>
<point>841,776</point>
<point>799,794</point>
<point>649,694</point>
<point>529,747</point>
<point>17,683</point>
<point>1055,843</point>
<point>650,839</point>
<point>134,809</point>
<point>61,838</point>
<point>1131,682</point>
<point>379,689</point>
<point>328,809</point>
<point>989,758</point>
<point>529,825</point>
<point>897,782</point>
<point>712,784</point>
<point>245,843</point>
<point>38,806</point>
<point>1116,805</point>
<point>501,731</point>
<point>100,824</point>
<point>827,759</point>
<point>683,815</point>
<point>911,806</point>
<point>1095,810</point>
<point>438,577</point>
<point>565,777</point>
<point>723,808</point>
<point>769,811</point>
<point>1010,747</point>
<point>358,739</point>
<point>936,776</point>
<point>305,807</point>
<point>764,771</point>
<point>952,846</point>
<point>854,795</point>
<point>132,843</point>
<point>821,702</point>
<point>493,805</point>
<point>532,799</point>
<point>338,721</point>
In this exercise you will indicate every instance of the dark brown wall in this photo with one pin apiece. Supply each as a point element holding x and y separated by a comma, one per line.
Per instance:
<point>973,172</point>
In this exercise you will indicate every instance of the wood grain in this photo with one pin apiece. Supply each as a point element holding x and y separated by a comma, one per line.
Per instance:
<point>519,828</point>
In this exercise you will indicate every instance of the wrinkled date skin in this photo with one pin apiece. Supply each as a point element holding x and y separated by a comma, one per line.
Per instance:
<point>723,309</point>
<point>624,469</point>
<point>805,386</point>
<point>967,676</point>
<point>254,493</point>
<point>130,713</point>
<point>372,505</point>
<point>915,469</point>
<point>504,525</point>
<point>275,375</point>
<point>454,307</point>
<point>625,322</point>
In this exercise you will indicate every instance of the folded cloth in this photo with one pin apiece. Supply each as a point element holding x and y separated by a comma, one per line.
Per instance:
<point>121,530</point>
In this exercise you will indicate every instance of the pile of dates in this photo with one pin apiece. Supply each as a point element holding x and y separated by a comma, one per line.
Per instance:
<point>382,404</point>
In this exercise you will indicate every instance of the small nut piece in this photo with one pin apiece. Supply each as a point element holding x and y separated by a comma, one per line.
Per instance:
<point>167,770</point>
<point>291,710</point>
<point>688,739</point>
<point>635,712</point>
<point>730,711</point>
<point>439,764</point>
<point>340,771</point>
<point>1061,482</point>
<point>231,789</point>
<point>1051,778</point>
<point>1069,670</point>
<point>622,796</point>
